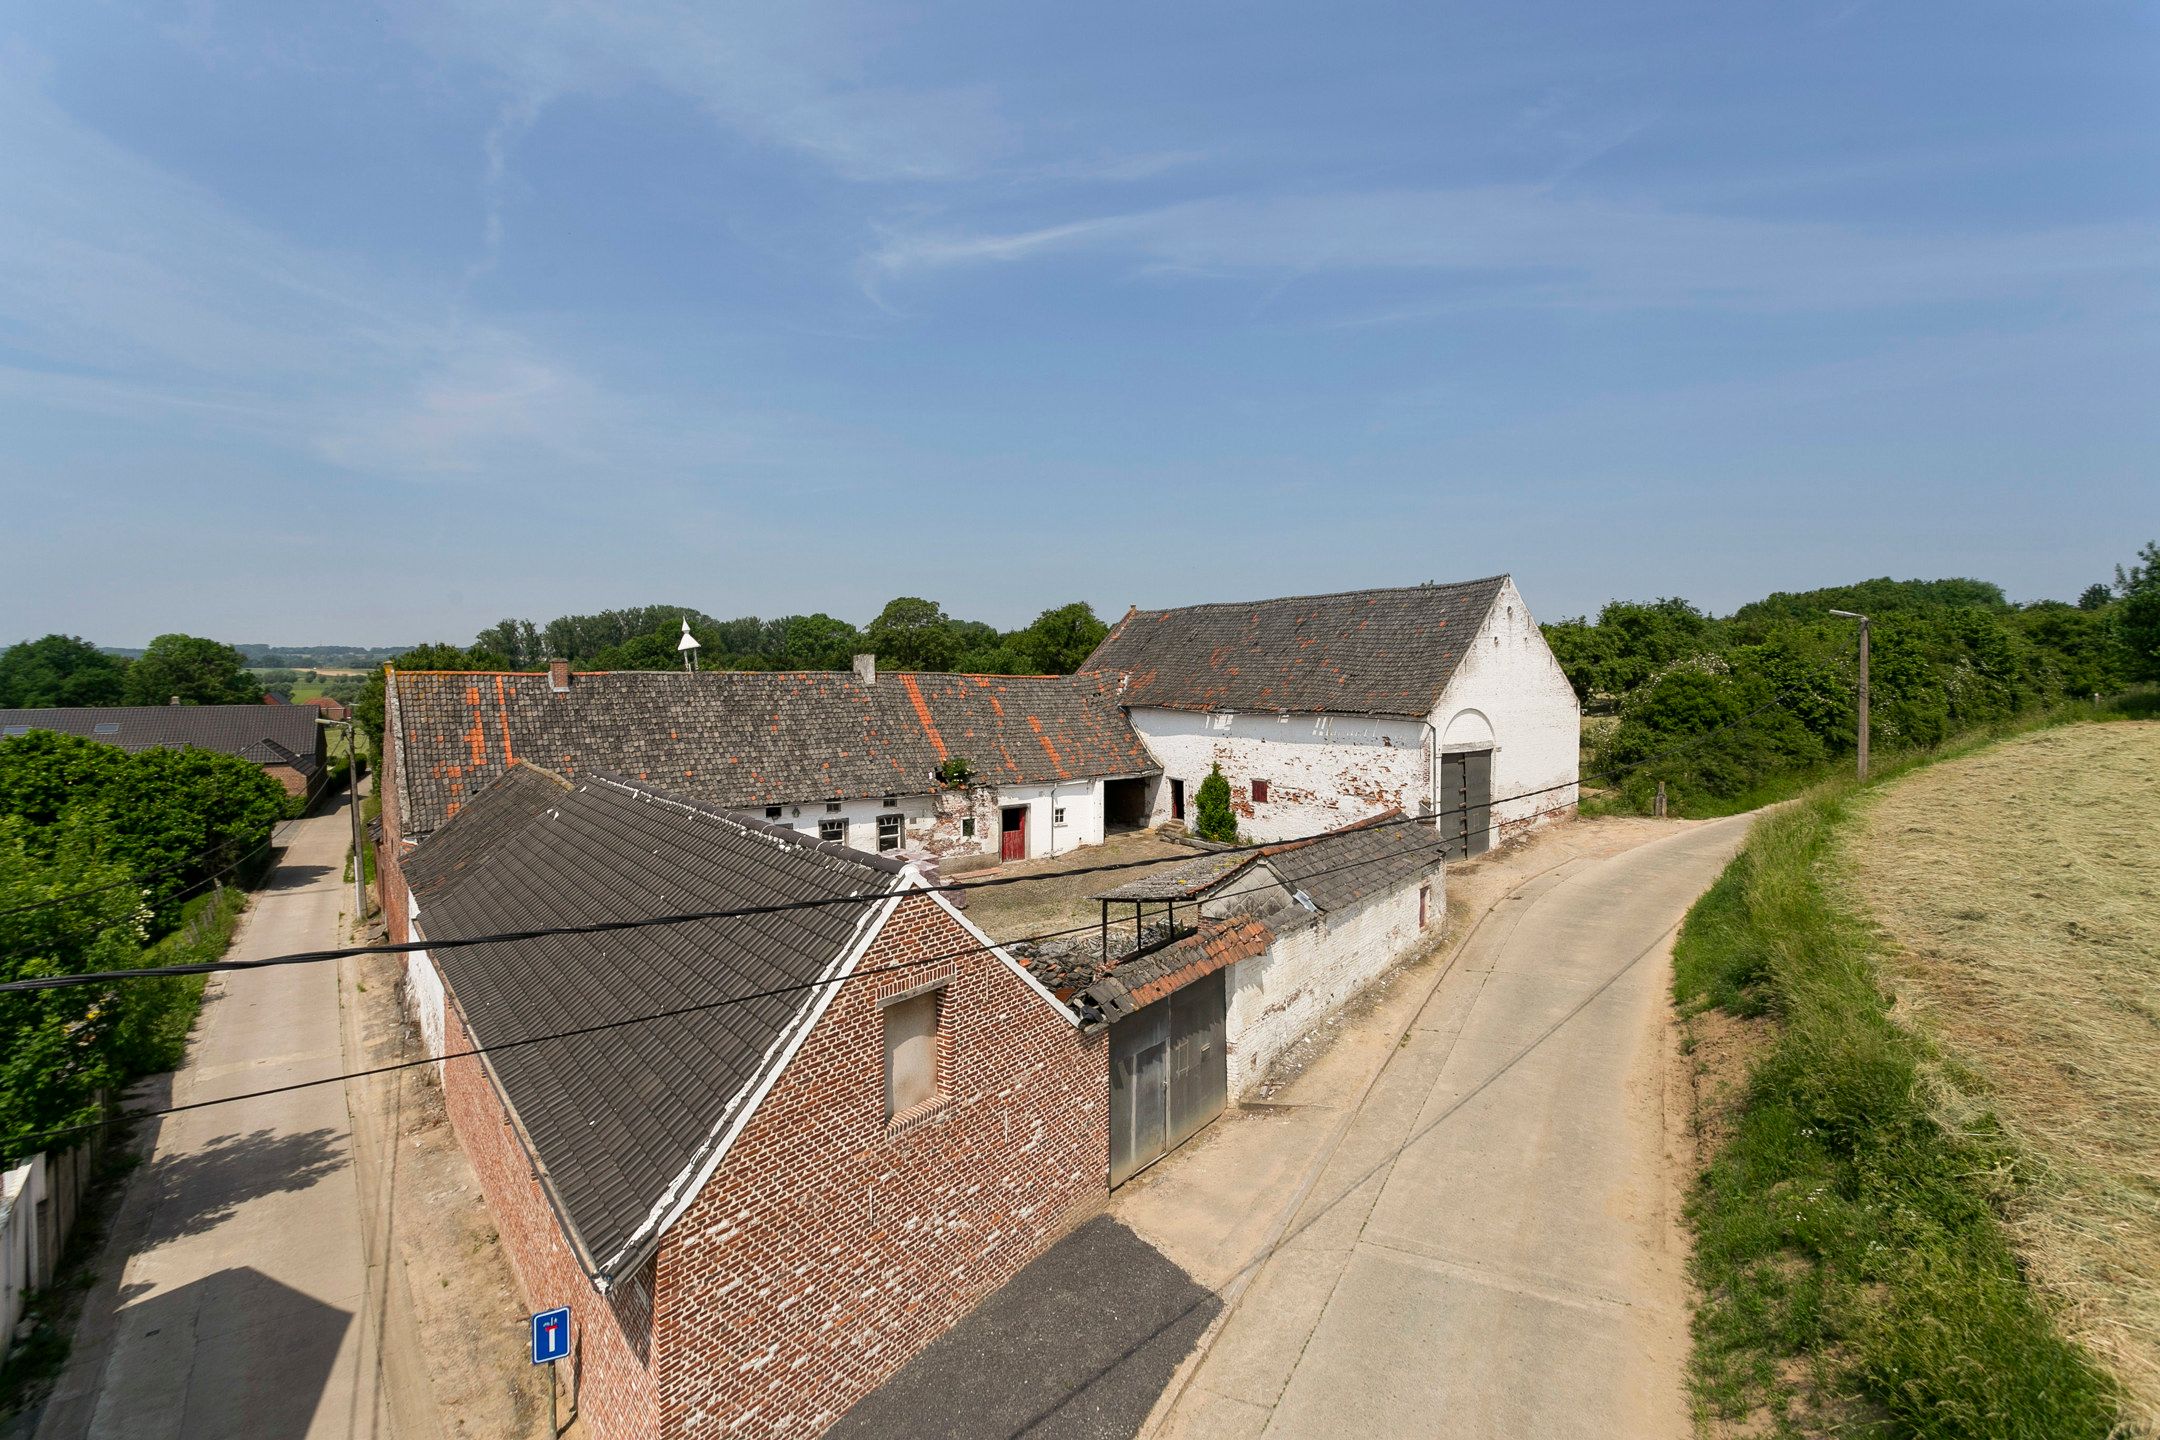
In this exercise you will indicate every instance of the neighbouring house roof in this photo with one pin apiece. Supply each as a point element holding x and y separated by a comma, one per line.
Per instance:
<point>746,739</point>
<point>262,734</point>
<point>1361,652</point>
<point>328,708</point>
<point>620,1120</point>
<point>1185,880</point>
<point>1372,857</point>
<point>1333,872</point>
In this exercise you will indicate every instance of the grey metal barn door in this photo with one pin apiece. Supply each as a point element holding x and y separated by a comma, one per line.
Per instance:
<point>1466,802</point>
<point>1169,1075</point>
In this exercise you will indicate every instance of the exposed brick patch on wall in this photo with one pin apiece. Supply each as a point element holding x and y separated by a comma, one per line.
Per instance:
<point>832,1245</point>
<point>611,1333</point>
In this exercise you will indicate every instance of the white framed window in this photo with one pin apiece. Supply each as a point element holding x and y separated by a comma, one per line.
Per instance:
<point>888,832</point>
<point>914,1058</point>
<point>1057,816</point>
<point>832,807</point>
<point>833,828</point>
<point>1321,726</point>
<point>1220,720</point>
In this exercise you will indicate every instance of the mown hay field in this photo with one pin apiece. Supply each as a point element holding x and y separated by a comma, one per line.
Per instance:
<point>2018,889</point>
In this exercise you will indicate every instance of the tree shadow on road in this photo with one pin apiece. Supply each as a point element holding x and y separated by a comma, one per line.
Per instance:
<point>201,1189</point>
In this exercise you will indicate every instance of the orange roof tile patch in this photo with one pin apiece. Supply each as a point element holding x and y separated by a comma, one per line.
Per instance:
<point>1057,762</point>
<point>922,713</point>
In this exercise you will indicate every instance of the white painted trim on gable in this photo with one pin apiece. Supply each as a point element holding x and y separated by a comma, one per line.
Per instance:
<point>675,1201</point>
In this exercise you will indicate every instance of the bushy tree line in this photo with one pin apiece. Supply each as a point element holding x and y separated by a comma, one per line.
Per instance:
<point>66,670</point>
<point>910,633</point>
<point>1718,707</point>
<point>100,851</point>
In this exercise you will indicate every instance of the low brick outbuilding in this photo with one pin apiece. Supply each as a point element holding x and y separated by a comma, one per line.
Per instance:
<point>764,1160</point>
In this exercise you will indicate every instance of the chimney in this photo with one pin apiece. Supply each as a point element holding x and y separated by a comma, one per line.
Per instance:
<point>174,701</point>
<point>559,676</point>
<point>866,669</point>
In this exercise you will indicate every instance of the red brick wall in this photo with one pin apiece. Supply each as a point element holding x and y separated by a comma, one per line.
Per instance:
<point>389,856</point>
<point>611,1333</point>
<point>831,1246</point>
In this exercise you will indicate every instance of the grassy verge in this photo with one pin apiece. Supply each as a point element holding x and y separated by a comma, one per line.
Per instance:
<point>1855,1274</point>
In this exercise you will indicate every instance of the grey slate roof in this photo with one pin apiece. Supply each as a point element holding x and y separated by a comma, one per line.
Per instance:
<point>1184,880</point>
<point>261,734</point>
<point>1359,861</point>
<point>1361,652</point>
<point>743,739</point>
<point>618,1117</point>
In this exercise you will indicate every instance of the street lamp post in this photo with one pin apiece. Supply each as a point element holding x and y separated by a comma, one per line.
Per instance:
<point>352,795</point>
<point>1863,735</point>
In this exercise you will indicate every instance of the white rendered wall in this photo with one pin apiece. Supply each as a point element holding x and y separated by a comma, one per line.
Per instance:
<point>423,989</point>
<point>1509,693</point>
<point>1081,800</point>
<point>1323,771</point>
<point>1277,997</point>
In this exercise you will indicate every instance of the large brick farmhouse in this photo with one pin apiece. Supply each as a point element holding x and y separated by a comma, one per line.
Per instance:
<point>768,1158</point>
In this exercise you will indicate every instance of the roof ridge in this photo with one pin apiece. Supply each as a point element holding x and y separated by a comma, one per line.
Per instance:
<point>1328,595</point>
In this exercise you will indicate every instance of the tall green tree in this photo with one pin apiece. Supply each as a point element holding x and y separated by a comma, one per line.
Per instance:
<point>818,642</point>
<point>913,634</point>
<point>197,671</point>
<point>2137,614</point>
<point>1213,819</point>
<point>1059,639</point>
<point>60,670</point>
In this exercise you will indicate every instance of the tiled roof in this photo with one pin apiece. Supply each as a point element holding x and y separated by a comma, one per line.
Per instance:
<point>1185,880</point>
<point>1358,861</point>
<point>618,1118</point>
<point>1362,652</point>
<point>1215,944</point>
<point>262,734</point>
<point>746,739</point>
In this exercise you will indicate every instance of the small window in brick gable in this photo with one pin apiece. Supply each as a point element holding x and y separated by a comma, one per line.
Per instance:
<point>888,832</point>
<point>913,1058</point>
<point>1259,792</point>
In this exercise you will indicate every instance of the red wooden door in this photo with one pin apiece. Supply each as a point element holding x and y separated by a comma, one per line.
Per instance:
<point>1012,840</point>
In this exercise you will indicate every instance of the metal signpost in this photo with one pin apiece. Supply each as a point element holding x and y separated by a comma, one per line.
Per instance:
<point>550,1343</point>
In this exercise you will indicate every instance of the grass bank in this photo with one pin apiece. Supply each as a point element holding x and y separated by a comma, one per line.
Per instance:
<point>1855,1273</point>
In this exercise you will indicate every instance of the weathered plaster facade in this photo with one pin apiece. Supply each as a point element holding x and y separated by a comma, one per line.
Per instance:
<point>1507,695</point>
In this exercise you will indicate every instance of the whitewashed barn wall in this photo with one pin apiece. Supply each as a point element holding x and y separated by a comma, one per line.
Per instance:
<point>1322,771</point>
<point>1309,972</point>
<point>1510,694</point>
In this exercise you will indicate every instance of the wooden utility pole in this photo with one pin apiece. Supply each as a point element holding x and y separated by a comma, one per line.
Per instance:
<point>1862,738</point>
<point>1660,799</point>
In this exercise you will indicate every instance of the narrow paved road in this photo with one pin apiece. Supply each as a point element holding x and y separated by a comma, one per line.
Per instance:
<point>245,1305</point>
<point>1493,1249</point>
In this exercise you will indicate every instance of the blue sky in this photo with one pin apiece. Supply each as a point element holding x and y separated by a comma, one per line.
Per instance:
<point>377,322</point>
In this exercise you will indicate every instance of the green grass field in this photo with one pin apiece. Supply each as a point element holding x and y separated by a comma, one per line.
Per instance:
<point>1855,1275</point>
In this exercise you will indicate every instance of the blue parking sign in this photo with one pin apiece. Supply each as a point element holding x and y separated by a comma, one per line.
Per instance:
<point>550,1336</point>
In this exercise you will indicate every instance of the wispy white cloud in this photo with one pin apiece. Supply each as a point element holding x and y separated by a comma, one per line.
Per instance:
<point>129,293</point>
<point>801,77</point>
<point>1535,245</point>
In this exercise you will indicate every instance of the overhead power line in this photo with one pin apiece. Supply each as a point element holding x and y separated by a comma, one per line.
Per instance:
<point>689,917</point>
<point>651,1017</point>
